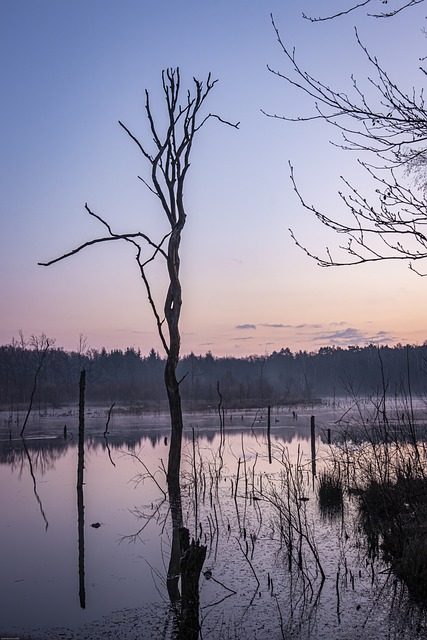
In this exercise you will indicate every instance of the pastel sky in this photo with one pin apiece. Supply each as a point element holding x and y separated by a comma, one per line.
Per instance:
<point>71,70</point>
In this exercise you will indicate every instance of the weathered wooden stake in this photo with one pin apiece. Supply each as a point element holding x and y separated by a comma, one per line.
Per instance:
<point>313,446</point>
<point>237,479</point>
<point>269,434</point>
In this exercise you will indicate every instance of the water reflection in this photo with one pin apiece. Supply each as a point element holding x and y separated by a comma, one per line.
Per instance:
<point>80,500</point>
<point>259,576</point>
<point>33,477</point>
<point>44,453</point>
<point>81,533</point>
<point>185,560</point>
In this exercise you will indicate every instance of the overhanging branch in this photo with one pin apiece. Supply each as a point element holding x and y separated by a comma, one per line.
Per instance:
<point>113,236</point>
<point>406,4</point>
<point>389,127</point>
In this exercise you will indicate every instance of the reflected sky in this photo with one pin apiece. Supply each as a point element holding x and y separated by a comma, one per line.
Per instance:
<point>39,581</point>
<point>40,567</point>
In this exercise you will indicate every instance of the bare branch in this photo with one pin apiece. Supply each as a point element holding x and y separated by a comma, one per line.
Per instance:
<point>214,115</point>
<point>393,127</point>
<point>370,229</point>
<point>111,237</point>
<point>336,15</point>
<point>159,321</point>
<point>354,7</point>
<point>391,14</point>
<point>389,127</point>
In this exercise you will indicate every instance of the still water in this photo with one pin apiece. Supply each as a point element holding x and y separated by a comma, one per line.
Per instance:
<point>234,501</point>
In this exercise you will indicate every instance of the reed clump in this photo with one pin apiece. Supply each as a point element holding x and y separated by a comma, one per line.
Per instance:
<point>330,493</point>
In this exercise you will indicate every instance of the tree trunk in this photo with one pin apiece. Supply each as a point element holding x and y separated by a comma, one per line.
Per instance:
<point>191,567</point>
<point>175,410</point>
<point>173,305</point>
<point>174,569</point>
<point>186,561</point>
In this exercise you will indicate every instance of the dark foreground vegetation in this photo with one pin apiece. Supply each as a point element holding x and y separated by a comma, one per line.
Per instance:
<point>394,514</point>
<point>380,461</point>
<point>280,378</point>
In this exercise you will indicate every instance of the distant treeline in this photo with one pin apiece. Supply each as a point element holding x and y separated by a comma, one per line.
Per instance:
<point>283,377</point>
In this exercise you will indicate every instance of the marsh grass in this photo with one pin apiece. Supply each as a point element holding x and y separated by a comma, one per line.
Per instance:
<point>330,493</point>
<point>382,458</point>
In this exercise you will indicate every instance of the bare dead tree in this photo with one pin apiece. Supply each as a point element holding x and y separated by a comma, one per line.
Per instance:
<point>40,345</point>
<point>378,120</point>
<point>169,161</point>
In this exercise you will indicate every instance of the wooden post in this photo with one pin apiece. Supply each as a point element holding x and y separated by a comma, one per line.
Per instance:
<point>237,479</point>
<point>269,433</point>
<point>313,446</point>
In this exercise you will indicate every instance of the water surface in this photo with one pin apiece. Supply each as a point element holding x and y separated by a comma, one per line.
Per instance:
<point>230,492</point>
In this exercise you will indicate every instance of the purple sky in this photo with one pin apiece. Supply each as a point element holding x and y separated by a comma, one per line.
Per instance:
<point>71,70</point>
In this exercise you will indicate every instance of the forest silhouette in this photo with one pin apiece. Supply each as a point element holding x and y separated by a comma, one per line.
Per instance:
<point>281,378</point>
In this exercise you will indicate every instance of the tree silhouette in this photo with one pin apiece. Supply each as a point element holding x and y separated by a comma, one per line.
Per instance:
<point>169,161</point>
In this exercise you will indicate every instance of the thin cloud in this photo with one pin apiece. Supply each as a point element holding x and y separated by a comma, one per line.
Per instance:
<point>307,326</point>
<point>281,325</point>
<point>352,336</point>
<point>345,334</point>
<point>276,326</point>
<point>337,333</point>
<point>381,337</point>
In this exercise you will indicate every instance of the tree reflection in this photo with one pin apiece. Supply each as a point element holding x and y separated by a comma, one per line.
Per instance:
<point>43,454</point>
<point>33,477</point>
<point>81,534</point>
<point>186,558</point>
<point>80,503</point>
